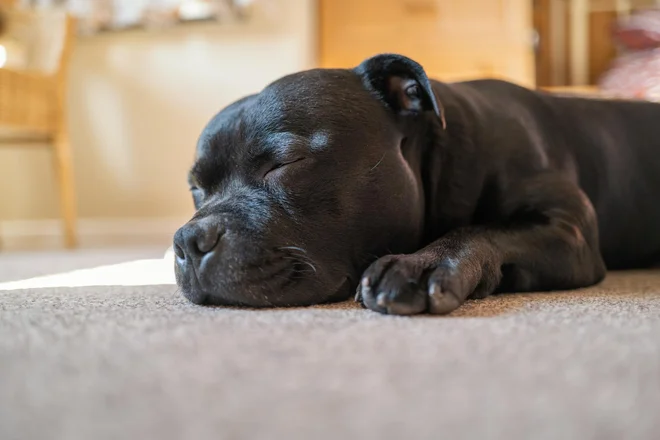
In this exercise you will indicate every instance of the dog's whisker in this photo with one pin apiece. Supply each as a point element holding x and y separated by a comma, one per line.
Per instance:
<point>378,163</point>
<point>293,248</point>
<point>292,258</point>
<point>302,260</point>
<point>310,264</point>
<point>299,257</point>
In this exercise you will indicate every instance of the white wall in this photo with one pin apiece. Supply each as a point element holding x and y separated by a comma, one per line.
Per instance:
<point>138,101</point>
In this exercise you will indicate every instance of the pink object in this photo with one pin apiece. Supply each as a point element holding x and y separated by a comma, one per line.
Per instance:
<point>636,73</point>
<point>640,31</point>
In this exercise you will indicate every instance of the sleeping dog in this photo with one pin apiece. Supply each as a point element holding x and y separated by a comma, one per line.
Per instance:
<point>416,193</point>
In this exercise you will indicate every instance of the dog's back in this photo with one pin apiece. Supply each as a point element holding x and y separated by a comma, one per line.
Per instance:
<point>610,146</point>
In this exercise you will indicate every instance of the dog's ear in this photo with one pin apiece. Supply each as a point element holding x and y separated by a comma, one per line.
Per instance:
<point>400,83</point>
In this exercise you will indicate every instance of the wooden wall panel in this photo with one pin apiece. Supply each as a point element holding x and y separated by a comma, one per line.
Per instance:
<point>452,39</point>
<point>602,47</point>
<point>553,64</point>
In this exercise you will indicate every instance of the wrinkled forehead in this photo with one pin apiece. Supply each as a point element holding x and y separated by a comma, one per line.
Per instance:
<point>229,125</point>
<point>308,104</point>
<point>261,126</point>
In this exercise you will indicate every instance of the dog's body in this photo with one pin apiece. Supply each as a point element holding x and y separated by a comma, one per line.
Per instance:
<point>609,148</point>
<point>419,193</point>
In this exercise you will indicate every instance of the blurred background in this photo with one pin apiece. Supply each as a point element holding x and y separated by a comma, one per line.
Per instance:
<point>99,115</point>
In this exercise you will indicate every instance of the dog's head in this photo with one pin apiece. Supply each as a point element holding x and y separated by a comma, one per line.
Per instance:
<point>299,186</point>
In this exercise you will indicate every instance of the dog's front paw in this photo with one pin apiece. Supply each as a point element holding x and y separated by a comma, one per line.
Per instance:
<point>412,284</point>
<point>392,284</point>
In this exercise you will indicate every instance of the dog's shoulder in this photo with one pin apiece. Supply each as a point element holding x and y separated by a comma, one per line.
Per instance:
<point>493,106</point>
<point>488,84</point>
<point>492,88</point>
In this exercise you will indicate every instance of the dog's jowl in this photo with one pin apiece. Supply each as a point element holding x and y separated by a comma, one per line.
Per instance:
<point>419,194</point>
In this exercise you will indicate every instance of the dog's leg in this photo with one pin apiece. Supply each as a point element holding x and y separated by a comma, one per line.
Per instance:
<point>548,241</point>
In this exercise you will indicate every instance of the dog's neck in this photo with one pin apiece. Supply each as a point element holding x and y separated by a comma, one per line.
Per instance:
<point>452,177</point>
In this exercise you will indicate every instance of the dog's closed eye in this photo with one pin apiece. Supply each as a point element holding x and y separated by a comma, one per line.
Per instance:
<point>198,196</point>
<point>278,167</point>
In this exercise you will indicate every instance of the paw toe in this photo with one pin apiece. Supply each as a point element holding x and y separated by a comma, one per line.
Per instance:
<point>407,300</point>
<point>442,302</point>
<point>446,291</point>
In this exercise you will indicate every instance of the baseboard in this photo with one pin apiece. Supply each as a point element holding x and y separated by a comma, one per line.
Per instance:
<point>92,232</point>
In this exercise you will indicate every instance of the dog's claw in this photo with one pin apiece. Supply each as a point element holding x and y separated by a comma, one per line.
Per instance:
<point>363,287</point>
<point>441,303</point>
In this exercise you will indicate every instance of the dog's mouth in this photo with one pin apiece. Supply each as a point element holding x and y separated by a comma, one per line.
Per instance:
<point>285,277</point>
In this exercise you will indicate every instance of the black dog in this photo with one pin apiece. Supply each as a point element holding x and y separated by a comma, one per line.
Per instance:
<point>420,194</point>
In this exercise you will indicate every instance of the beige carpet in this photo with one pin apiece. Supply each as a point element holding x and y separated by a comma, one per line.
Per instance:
<point>103,353</point>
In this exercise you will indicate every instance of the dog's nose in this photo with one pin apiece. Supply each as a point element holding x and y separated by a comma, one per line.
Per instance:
<point>196,239</point>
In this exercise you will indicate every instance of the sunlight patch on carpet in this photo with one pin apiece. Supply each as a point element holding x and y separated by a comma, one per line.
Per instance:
<point>133,273</point>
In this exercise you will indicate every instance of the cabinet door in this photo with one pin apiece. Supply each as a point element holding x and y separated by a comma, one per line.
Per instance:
<point>453,40</point>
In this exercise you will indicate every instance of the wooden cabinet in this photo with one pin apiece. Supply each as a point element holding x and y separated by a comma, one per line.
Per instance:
<point>452,39</point>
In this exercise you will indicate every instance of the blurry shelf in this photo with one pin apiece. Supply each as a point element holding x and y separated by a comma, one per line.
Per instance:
<point>575,90</point>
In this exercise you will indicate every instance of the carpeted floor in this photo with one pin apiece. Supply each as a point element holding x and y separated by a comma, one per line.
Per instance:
<point>118,354</point>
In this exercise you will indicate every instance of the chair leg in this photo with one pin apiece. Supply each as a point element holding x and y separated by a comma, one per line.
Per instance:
<point>64,170</point>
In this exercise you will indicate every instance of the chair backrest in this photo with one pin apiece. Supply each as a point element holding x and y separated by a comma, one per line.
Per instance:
<point>44,35</point>
<point>33,96</point>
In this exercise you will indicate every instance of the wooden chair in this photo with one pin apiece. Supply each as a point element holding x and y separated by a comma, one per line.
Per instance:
<point>33,108</point>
